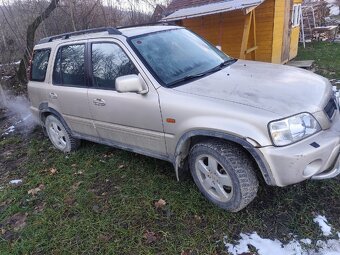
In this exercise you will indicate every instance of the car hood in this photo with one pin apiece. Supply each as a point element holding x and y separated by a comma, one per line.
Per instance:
<point>280,89</point>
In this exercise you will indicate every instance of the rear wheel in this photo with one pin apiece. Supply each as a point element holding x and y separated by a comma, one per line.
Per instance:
<point>224,173</point>
<point>59,136</point>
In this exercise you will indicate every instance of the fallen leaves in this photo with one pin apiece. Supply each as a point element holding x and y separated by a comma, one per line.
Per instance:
<point>187,252</point>
<point>53,171</point>
<point>198,219</point>
<point>79,173</point>
<point>163,208</point>
<point>39,208</point>
<point>17,221</point>
<point>75,186</point>
<point>105,238</point>
<point>150,237</point>
<point>69,201</point>
<point>36,190</point>
<point>160,204</point>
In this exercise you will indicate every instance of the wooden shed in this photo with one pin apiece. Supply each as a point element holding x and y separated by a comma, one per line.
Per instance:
<point>262,30</point>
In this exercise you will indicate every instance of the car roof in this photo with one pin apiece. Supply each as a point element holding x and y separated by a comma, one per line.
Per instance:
<point>93,34</point>
<point>135,31</point>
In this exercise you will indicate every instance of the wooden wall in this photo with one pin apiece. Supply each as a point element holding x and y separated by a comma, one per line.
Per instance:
<point>226,30</point>
<point>264,30</point>
<point>279,30</point>
<point>223,29</point>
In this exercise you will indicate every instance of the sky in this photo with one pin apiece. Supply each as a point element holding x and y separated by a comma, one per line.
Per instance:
<point>144,5</point>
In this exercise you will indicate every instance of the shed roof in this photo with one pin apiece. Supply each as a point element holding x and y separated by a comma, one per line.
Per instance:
<point>176,5</point>
<point>211,8</point>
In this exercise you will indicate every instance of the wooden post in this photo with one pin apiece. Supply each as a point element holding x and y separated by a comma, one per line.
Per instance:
<point>249,26</point>
<point>254,30</point>
<point>245,37</point>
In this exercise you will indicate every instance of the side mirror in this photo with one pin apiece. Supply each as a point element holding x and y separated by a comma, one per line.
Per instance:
<point>130,83</point>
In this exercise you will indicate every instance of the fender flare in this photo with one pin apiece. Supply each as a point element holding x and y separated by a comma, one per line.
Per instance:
<point>184,142</point>
<point>44,108</point>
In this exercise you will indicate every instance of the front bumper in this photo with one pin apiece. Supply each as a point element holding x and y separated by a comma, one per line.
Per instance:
<point>316,157</point>
<point>334,172</point>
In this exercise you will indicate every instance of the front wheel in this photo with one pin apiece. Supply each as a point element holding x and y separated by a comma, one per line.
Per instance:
<point>59,136</point>
<point>224,173</point>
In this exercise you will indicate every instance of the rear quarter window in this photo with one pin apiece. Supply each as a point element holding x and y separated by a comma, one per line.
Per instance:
<point>39,64</point>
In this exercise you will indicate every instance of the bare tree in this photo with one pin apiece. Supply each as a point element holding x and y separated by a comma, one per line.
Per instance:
<point>30,36</point>
<point>23,22</point>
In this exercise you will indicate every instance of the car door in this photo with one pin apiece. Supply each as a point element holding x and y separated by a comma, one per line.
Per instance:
<point>128,120</point>
<point>69,90</point>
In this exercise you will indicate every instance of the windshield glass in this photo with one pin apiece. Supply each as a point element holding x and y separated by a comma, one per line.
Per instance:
<point>178,55</point>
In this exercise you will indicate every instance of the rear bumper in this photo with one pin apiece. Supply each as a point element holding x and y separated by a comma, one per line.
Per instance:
<point>316,157</point>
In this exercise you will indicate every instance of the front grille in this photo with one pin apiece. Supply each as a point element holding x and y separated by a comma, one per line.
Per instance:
<point>331,108</point>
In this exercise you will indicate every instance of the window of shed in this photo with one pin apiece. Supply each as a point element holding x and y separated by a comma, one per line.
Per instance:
<point>296,16</point>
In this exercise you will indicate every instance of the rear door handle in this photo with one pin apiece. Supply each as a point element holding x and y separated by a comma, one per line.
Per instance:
<point>99,102</point>
<point>53,95</point>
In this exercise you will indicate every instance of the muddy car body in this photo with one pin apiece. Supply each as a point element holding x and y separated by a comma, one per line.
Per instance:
<point>164,92</point>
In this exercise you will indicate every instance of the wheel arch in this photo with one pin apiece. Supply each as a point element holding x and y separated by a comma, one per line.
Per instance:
<point>45,110</point>
<point>188,139</point>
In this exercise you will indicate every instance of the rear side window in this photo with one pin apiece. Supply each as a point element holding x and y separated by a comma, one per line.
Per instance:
<point>39,64</point>
<point>69,66</point>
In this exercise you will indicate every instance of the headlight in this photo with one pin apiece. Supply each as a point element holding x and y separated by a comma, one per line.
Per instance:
<point>293,129</point>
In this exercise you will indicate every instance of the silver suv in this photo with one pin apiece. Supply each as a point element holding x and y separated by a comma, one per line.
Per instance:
<point>164,92</point>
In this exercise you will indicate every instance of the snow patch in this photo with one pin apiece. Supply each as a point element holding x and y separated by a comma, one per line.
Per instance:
<point>322,222</point>
<point>11,64</point>
<point>9,130</point>
<point>306,241</point>
<point>6,77</point>
<point>15,182</point>
<point>263,246</point>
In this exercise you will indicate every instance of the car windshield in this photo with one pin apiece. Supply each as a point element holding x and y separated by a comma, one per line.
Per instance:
<point>178,55</point>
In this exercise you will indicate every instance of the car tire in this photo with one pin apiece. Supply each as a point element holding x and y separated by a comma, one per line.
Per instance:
<point>59,135</point>
<point>224,173</point>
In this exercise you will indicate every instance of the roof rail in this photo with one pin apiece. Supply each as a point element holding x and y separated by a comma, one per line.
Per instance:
<point>110,30</point>
<point>149,24</point>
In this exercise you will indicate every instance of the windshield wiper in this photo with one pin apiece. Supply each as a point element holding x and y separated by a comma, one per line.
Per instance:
<point>195,76</point>
<point>228,62</point>
<point>187,78</point>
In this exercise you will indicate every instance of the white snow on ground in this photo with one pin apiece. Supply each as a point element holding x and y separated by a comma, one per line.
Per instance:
<point>9,130</point>
<point>322,222</point>
<point>11,64</point>
<point>15,182</point>
<point>294,247</point>
<point>264,246</point>
<point>6,77</point>
<point>28,118</point>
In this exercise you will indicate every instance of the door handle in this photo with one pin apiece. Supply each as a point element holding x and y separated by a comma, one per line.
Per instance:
<point>53,95</point>
<point>99,102</point>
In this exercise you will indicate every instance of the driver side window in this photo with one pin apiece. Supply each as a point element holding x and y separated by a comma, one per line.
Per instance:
<point>109,62</point>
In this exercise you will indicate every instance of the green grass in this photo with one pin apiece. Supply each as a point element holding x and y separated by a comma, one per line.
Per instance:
<point>101,201</point>
<point>326,56</point>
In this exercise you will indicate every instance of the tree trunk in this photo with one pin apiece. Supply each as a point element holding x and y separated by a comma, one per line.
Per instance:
<point>30,36</point>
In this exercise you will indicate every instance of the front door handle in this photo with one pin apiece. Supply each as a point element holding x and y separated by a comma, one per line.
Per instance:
<point>53,95</point>
<point>99,102</point>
